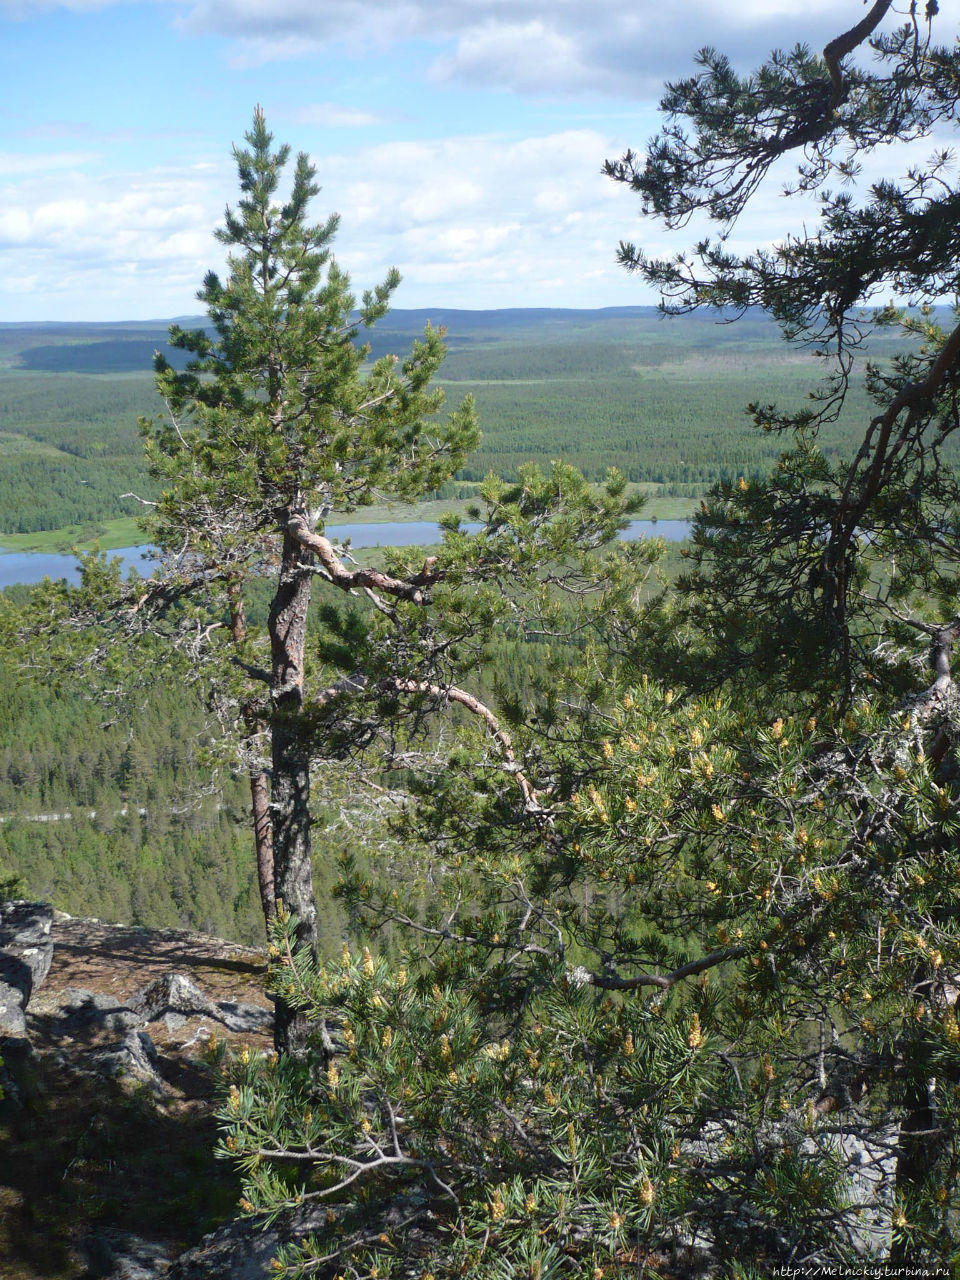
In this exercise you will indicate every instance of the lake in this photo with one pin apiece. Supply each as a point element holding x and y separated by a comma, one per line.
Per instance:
<point>34,566</point>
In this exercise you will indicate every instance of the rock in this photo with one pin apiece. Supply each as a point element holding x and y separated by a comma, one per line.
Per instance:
<point>113,1255</point>
<point>17,1084</point>
<point>174,994</point>
<point>135,1056</point>
<point>26,953</point>
<point>12,1020</point>
<point>89,1011</point>
<point>171,993</point>
<point>243,1249</point>
<point>243,1017</point>
<point>171,998</point>
<point>138,1259</point>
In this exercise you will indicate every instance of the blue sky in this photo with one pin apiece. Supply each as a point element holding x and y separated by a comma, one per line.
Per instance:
<point>460,141</point>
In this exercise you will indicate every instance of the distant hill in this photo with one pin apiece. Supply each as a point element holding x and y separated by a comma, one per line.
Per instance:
<point>128,346</point>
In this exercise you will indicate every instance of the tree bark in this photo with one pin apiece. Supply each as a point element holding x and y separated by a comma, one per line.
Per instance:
<point>290,793</point>
<point>919,1151</point>
<point>259,783</point>
<point>263,842</point>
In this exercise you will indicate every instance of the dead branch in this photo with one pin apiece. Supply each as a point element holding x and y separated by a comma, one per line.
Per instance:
<point>351,579</point>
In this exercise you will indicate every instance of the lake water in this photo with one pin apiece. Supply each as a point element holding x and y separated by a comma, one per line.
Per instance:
<point>33,566</point>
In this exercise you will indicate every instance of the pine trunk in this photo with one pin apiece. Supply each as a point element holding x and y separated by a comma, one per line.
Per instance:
<point>259,784</point>
<point>263,842</point>
<point>290,795</point>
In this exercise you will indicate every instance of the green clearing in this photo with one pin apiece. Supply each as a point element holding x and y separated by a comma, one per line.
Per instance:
<point>108,536</point>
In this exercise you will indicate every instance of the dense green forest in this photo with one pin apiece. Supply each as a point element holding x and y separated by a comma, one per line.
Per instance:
<point>664,399</point>
<point>124,814</point>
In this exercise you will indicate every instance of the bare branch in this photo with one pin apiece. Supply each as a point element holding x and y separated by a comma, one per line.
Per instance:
<point>351,579</point>
<point>498,733</point>
<point>612,982</point>
<point>846,43</point>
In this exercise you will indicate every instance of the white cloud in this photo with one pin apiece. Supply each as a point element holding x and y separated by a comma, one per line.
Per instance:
<point>89,246</point>
<point>471,221</point>
<point>531,46</point>
<point>333,116</point>
<point>526,56</point>
<point>480,221</point>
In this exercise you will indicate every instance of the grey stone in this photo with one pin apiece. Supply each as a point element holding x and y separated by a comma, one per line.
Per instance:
<point>26,953</point>
<point>135,1056</point>
<point>12,1020</point>
<point>117,1255</point>
<point>138,1259</point>
<point>174,994</point>
<point>243,1249</point>
<point>90,1011</point>
<point>171,993</point>
<point>243,1017</point>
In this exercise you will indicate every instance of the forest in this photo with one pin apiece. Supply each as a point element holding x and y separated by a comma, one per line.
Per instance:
<point>610,893</point>
<point>665,402</point>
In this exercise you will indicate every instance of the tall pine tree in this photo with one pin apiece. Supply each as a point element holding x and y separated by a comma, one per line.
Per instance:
<point>276,421</point>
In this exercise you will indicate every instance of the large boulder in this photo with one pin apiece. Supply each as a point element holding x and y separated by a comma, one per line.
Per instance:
<point>26,953</point>
<point>132,1058</point>
<point>243,1250</point>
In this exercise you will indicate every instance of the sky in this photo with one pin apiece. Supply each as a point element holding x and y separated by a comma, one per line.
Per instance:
<point>460,140</point>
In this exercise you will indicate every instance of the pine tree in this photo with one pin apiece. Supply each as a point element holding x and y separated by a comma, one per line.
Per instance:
<point>276,421</point>
<point>830,588</point>
<point>685,1009</point>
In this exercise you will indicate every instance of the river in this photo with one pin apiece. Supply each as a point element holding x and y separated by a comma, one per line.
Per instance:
<point>34,566</point>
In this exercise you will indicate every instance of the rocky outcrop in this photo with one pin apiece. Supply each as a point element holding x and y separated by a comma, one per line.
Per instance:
<point>134,1057</point>
<point>242,1250</point>
<point>114,1255</point>
<point>176,998</point>
<point>107,1123</point>
<point>26,953</point>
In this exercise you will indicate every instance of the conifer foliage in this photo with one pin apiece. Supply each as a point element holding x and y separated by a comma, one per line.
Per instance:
<point>691,1007</point>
